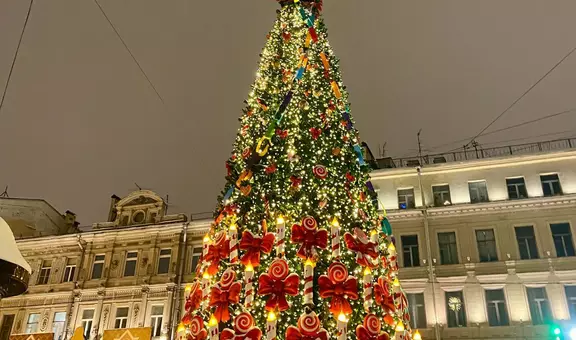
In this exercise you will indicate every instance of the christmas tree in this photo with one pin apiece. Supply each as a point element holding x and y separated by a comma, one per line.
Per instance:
<point>297,249</point>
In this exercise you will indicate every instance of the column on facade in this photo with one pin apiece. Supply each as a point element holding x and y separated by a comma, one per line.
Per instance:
<point>72,315</point>
<point>515,293</point>
<point>557,298</point>
<point>143,306</point>
<point>94,334</point>
<point>168,310</point>
<point>474,301</point>
<point>440,305</point>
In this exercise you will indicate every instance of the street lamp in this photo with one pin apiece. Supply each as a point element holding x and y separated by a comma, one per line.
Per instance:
<point>14,270</point>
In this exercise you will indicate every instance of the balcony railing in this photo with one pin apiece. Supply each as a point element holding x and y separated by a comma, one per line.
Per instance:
<point>476,153</point>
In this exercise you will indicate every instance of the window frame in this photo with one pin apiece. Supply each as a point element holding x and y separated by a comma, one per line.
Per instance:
<point>415,311</point>
<point>84,322</point>
<point>62,322</point>
<point>475,182</point>
<point>44,273</point>
<point>36,324</point>
<point>543,319</point>
<point>551,185</point>
<point>69,272</point>
<point>156,321</point>
<point>415,262</point>
<point>517,188</point>
<point>442,195</point>
<point>131,259</point>
<point>94,263</point>
<point>486,242</point>
<point>564,243</point>
<point>161,257</point>
<point>571,301</point>
<point>121,322</point>
<point>531,226</point>
<point>463,309</point>
<point>405,198</point>
<point>503,302</point>
<point>457,255</point>
<point>195,251</point>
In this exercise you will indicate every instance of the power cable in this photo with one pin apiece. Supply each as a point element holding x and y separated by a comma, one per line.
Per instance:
<point>129,51</point>
<point>15,56</point>
<point>522,96</point>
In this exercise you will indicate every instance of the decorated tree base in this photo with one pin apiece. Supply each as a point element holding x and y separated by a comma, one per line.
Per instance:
<point>297,249</point>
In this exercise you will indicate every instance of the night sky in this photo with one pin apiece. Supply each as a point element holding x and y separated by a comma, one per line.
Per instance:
<point>81,123</point>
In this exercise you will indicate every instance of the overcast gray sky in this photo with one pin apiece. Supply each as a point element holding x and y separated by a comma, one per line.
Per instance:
<point>80,122</point>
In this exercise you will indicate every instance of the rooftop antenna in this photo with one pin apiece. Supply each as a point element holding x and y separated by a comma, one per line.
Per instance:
<point>383,150</point>
<point>137,186</point>
<point>5,193</point>
<point>419,147</point>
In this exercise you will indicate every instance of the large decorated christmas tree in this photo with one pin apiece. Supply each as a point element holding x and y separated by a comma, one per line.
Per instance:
<point>297,249</point>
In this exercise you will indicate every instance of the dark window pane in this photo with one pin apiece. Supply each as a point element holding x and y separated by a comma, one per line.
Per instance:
<point>516,188</point>
<point>406,199</point>
<point>539,306</point>
<point>441,195</point>
<point>496,308</point>
<point>448,248</point>
<point>164,261</point>
<point>478,192</point>
<point>97,271</point>
<point>417,310</point>
<point>455,309</point>
<point>486,245</point>
<point>562,236</point>
<point>526,242</point>
<point>571,299</point>
<point>551,185</point>
<point>410,250</point>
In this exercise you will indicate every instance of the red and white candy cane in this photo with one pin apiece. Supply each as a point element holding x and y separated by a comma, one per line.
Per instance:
<point>335,238</point>
<point>368,289</point>
<point>233,236</point>
<point>249,286</point>
<point>280,236</point>
<point>308,282</point>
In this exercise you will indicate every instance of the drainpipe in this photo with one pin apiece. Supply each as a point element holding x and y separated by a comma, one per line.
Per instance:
<point>431,274</point>
<point>176,308</point>
<point>70,306</point>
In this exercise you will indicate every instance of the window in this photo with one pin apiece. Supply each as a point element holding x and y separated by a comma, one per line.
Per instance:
<point>448,248</point>
<point>156,323</point>
<point>130,265</point>
<point>32,323</point>
<point>551,185</point>
<point>121,320</point>
<point>571,297</point>
<point>164,261</point>
<point>441,195</point>
<point>138,217</point>
<point>478,192</point>
<point>417,310</point>
<point>406,199</point>
<point>70,270</point>
<point>496,307</point>
<point>455,309</point>
<point>58,325</point>
<point>44,274</point>
<point>98,267</point>
<point>486,245</point>
<point>6,328</point>
<point>87,318</point>
<point>516,188</point>
<point>562,237</point>
<point>410,250</point>
<point>526,243</point>
<point>196,255</point>
<point>539,305</point>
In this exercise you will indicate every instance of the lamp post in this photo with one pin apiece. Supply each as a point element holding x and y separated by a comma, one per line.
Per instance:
<point>14,270</point>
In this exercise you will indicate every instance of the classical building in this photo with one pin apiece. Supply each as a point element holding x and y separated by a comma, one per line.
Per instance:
<point>485,246</point>
<point>127,272</point>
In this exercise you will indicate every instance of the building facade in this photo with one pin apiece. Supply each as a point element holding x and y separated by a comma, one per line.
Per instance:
<point>486,247</point>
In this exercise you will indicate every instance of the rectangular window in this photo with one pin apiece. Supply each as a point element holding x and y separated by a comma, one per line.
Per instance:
<point>478,192</point>
<point>441,195</point>
<point>539,305</point>
<point>571,299</point>
<point>417,310</point>
<point>121,320</point>
<point>32,323</point>
<point>156,322</point>
<point>486,245</point>
<point>86,322</point>
<point>196,256</point>
<point>70,270</point>
<point>130,264</point>
<point>44,274</point>
<point>526,242</point>
<point>406,199</point>
<point>98,267</point>
<point>58,325</point>
<point>516,188</point>
<point>562,236</point>
<point>6,328</point>
<point>164,261</point>
<point>448,248</point>
<point>455,309</point>
<point>410,250</point>
<point>551,185</point>
<point>496,308</point>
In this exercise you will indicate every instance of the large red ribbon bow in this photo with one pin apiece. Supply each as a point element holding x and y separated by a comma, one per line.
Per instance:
<point>278,284</point>
<point>309,328</point>
<point>371,329</point>
<point>366,252</point>
<point>339,286</point>
<point>382,295</point>
<point>217,251</point>
<point>225,293</point>
<point>243,329</point>
<point>309,237</point>
<point>254,245</point>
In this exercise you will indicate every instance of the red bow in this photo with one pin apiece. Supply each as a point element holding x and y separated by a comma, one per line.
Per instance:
<point>282,133</point>
<point>254,245</point>
<point>371,329</point>
<point>366,252</point>
<point>216,252</point>
<point>270,169</point>
<point>293,333</point>
<point>363,334</point>
<point>253,334</point>
<point>340,292</point>
<point>309,240</point>
<point>222,298</point>
<point>382,295</point>
<point>278,288</point>
<point>311,330</point>
<point>296,181</point>
<point>194,299</point>
<point>315,132</point>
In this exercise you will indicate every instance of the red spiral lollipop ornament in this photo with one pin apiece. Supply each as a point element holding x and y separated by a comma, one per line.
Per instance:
<point>320,171</point>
